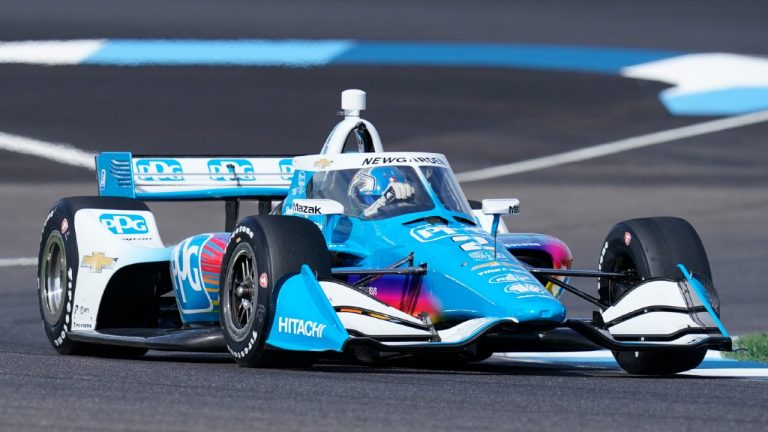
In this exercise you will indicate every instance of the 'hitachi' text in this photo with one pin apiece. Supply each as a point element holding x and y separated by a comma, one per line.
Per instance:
<point>300,327</point>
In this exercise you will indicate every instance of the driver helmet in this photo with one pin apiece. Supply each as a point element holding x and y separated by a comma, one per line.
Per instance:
<point>369,184</point>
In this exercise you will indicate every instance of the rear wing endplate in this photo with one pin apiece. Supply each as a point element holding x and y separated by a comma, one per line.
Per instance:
<point>170,178</point>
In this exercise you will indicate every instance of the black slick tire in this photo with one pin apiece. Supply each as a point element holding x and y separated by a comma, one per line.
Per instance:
<point>57,268</point>
<point>262,253</point>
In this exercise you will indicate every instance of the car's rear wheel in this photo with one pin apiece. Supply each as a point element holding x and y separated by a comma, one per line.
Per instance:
<point>652,248</point>
<point>57,268</point>
<point>263,252</point>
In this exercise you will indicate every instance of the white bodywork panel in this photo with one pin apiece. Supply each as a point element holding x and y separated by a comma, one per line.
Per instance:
<point>377,327</point>
<point>102,253</point>
<point>637,314</point>
<point>189,174</point>
<point>651,293</point>
<point>486,222</point>
<point>341,295</point>
<point>460,332</point>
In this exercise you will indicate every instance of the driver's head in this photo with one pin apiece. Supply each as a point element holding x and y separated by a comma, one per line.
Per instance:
<point>370,183</point>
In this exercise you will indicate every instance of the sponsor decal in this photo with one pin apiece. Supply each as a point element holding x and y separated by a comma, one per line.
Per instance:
<point>525,288</point>
<point>187,277</point>
<point>490,271</point>
<point>300,327</point>
<point>517,245</point>
<point>384,160</point>
<point>82,326</point>
<point>428,233</point>
<point>196,268</point>
<point>159,170</point>
<point>102,179</point>
<point>286,167</point>
<point>301,183</point>
<point>472,243</point>
<point>231,170</point>
<point>97,261</point>
<point>81,310</point>
<point>263,280</point>
<point>298,208</point>
<point>487,265</point>
<point>122,223</point>
<point>481,255</point>
<point>627,238</point>
<point>242,229</point>
<point>244,352</point>
<point>323,163</point>
<point>507,278</point>
<point>64,225</point>
<point>402,160</point>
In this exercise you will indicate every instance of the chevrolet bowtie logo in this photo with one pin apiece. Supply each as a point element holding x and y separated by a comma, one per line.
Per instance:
<point>323,163</point>
<point>97,261</point>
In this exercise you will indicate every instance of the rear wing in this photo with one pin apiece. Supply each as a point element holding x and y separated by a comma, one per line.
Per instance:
<point>171,178</point>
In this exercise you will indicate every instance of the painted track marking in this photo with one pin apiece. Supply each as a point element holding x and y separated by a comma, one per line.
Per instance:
<point>57,152</point>
<point>613,147</point>
<point>17,262</point>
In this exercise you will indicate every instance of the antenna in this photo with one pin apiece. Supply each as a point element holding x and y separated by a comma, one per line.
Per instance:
<point>352,102</point>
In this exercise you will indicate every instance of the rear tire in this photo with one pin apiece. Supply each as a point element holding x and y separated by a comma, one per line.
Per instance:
<point>263,252</point>
<point>652,248</point>
<point>57,267</point>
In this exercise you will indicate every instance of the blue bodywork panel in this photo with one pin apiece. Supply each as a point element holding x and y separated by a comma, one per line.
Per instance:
<point>195,270</point>
<point>469,275</point>
<point>702,294</point>
<point>304,319</point>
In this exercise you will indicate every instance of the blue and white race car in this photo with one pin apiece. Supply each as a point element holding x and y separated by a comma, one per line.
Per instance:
<point>358,253</point>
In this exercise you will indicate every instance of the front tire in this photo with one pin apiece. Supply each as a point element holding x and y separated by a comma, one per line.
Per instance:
<point>262,253</point>
<point>652,248</point>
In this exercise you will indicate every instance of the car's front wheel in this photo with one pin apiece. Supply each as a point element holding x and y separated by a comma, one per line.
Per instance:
<point>652,248</point>
<point>262,253</point>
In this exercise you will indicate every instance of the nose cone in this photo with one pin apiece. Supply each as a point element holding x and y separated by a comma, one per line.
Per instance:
<point>542,307</point>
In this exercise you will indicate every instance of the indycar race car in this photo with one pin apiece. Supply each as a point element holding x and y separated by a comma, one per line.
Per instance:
<point>360,254</point>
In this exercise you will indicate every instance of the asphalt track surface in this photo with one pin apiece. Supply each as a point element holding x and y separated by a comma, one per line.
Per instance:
<point>477,117</point>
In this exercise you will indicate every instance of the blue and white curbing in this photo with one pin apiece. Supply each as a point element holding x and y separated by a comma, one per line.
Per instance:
<point>703,83</point>
<point>714,364</point>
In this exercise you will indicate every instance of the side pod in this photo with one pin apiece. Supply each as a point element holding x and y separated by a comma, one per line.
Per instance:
<point>304,319</point>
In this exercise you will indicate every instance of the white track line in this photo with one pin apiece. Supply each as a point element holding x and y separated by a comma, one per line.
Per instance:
<point>62,153</point>
<point>15,262</point>
<point>49,52</point>
<point>614,147</point>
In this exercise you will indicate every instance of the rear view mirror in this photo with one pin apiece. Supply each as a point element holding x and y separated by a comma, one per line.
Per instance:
<point>501,206</point>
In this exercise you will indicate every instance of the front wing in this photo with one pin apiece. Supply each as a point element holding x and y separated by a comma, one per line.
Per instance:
<point>330,316</point>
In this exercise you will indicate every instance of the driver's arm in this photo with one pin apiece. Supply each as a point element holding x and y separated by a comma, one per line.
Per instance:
<point>394,192</point>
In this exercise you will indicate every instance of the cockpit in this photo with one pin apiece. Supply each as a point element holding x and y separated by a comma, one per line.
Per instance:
<point>380,192</point>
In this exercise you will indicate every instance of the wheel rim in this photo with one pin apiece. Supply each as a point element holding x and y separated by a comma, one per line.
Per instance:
<point>240,294</point>
<point>53,277</point>
<point>623,262</point>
